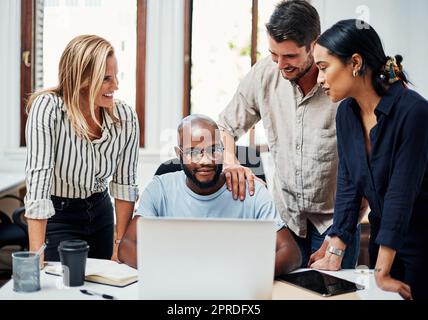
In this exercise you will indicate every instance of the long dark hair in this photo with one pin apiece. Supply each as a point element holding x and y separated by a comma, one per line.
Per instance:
<point>348,37</point>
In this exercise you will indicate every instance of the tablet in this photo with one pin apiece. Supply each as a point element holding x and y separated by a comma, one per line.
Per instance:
<point>320,283</point>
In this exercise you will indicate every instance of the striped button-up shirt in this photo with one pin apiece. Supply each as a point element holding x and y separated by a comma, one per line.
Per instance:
<point>61,163</point>
<point>301,135</point>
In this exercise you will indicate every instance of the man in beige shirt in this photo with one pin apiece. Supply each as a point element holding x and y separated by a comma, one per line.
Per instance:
<point>299,120</point>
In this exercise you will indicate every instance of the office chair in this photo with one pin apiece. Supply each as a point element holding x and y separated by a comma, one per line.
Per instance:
<point>13,233</point>
<point>247,156</point>
<point>19,219</point>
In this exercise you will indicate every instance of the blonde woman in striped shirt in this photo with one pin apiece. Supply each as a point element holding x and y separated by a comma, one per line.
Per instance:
<point>80,143</point>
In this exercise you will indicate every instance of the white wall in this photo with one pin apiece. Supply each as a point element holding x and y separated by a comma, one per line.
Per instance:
<point>401,24</point>
<point>10,47</point>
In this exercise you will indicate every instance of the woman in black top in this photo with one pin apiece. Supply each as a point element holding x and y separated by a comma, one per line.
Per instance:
<point>383,155</point>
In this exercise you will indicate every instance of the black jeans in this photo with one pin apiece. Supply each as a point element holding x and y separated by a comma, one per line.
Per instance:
<point>411,259</point>
<point>89,219</point>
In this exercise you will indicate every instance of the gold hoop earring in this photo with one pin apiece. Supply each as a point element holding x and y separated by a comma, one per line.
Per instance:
<point>354,73</point>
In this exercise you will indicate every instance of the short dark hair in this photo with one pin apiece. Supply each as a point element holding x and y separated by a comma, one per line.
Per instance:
<point>348,37</point>
<point>294,20</point>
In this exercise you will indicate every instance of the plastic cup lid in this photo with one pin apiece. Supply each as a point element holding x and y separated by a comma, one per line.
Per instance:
<point>73,245</point>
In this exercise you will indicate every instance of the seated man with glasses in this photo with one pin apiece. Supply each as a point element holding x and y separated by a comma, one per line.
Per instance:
<point>199,191</point>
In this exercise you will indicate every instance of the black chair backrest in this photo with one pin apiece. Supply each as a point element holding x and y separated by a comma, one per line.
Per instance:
<point>247,156</point>
<point>20,220</point>
<point>12,233</point>
<point>171,165</point>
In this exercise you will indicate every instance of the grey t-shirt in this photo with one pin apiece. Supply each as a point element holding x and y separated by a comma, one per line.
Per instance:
<point>169,196</point>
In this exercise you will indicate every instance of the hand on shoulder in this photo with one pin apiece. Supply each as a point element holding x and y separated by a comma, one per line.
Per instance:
<point>237,177</point>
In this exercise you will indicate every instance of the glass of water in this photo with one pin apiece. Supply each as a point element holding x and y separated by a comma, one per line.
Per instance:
<point>26,271</point>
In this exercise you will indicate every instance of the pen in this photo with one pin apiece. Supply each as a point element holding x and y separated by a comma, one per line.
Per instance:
<point>93,293</point>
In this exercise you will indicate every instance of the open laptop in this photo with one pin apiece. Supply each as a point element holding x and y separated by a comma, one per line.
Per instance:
<point>205,258</point>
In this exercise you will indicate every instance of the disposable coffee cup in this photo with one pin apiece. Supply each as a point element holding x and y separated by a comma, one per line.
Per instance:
<point>73,255</point>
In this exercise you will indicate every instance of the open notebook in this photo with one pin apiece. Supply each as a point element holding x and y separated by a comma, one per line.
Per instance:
<point>101,271</point>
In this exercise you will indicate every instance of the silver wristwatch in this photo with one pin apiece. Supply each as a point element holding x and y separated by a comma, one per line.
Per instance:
<point>336,251</point>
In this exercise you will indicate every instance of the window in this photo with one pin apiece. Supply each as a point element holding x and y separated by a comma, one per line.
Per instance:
<point>220,52</point>
<point>56,22</point>
<point>115,23</point>
<point>223,51</point>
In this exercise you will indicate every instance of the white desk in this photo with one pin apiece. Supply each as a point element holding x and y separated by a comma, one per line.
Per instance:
<point>53,289</point>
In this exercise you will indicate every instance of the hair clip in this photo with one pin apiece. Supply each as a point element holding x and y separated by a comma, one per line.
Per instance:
<point>392,68</point>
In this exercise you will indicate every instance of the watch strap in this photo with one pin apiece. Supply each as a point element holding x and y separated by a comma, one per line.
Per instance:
<point>336,251</point>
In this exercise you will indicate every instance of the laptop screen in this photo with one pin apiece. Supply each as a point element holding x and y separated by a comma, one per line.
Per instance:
<point>205,258</point>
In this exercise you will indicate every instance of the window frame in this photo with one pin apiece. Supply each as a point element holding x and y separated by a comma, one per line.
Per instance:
<point>187,63</point>
<point>27,60</point>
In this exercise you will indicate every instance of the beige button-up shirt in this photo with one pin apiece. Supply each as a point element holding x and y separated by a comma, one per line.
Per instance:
<point>301,135</point>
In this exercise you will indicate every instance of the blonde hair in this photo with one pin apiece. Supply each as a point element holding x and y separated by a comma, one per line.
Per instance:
<point>82,65</point>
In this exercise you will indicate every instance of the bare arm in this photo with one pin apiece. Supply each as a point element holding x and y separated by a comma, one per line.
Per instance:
<point>384,281</point>
<point>124,183</point>
<point>40,163</point>
<point>127,252</point>
<point>124,210</point>
<point>319,254</point>
<point>36,234</point>
<point>236,175</point>
<point>288,256</point>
